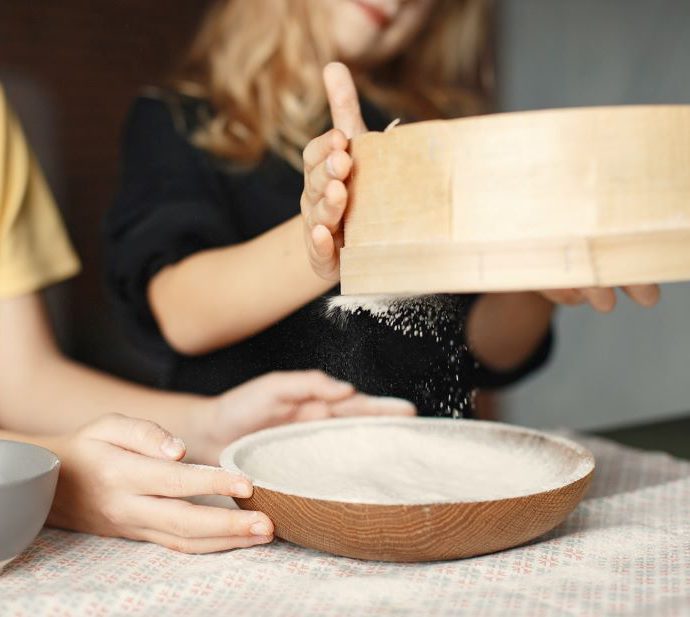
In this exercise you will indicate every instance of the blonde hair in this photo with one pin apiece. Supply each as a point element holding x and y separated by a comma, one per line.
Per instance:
<point>259,63</point>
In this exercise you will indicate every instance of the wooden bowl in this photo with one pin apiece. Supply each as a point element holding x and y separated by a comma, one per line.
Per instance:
<point>410,489</point>
<point>531,200</point>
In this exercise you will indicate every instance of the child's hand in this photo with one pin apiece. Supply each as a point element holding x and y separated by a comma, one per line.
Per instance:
<point>280,398</point>
<point>603,299</point>
<point>122,477</point>
<point>326,166</point>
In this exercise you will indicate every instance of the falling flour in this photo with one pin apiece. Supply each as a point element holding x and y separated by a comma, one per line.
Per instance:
<point>437,318</point>
<point>400,465</point>
<point>414,316</point>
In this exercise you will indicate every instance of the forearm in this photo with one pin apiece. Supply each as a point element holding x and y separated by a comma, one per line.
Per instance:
<point>218,297</point>
<point>504,329</point>
<point>45,441</point>
<point>55,395</point>
<point>44,393</point>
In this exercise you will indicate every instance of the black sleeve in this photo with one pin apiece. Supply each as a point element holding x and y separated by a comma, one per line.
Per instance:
<point>166,208</point>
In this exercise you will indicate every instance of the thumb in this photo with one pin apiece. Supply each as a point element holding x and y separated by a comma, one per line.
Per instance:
<point>342,99</point>
<point>140,436</point>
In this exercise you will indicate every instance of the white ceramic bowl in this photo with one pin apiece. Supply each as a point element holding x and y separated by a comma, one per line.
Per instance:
<point>28,476</point>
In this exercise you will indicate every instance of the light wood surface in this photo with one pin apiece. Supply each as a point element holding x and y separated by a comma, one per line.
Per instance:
<point>420,532</point>
<point>532,200</point>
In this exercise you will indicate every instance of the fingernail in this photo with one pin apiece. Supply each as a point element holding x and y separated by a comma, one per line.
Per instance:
<point>173,447</point>
<point>262,539</point>
<point>329,166</point>
<point>260,529</point>
<point>242,489</point>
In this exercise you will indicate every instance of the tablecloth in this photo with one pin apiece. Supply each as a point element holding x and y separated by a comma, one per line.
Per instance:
<point>624,551</point>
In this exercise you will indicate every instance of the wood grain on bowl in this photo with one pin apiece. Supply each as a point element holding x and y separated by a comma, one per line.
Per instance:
<point>466,520</point>
<point>415,533</point>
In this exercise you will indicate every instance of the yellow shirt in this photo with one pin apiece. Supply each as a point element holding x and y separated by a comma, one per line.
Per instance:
<point>35,250</point>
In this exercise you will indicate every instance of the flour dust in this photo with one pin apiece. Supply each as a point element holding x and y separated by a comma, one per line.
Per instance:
<point>437,318</point>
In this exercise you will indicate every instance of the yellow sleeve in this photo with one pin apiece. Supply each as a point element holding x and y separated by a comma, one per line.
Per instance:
<point>35,250</point>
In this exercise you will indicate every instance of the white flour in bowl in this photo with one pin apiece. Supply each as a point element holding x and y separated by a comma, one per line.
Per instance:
<point>401,465</point>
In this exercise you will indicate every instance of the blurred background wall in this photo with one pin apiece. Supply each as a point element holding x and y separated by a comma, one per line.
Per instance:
<point>71,67</point>
<point>633,364</point>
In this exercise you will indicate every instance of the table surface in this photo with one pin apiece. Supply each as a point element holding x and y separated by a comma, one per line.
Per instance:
<point>671,435</point>
<point>624,551</point>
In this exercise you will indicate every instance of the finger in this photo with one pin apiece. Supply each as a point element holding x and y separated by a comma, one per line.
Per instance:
<point>312,410</point>
<point>181,518</point>
<point>172,479</point>
<point>330,209</point>
<point>602,299</point>
<point>323,243</point>
<point>320,147</point>
<point>300,386</point>
<point>363,405</point>
<point>198,545</point>
<point>324,252</point>
<point>644,295</point>
<point>136,435</point>
<point>337,166</point>
<point>343,100</point>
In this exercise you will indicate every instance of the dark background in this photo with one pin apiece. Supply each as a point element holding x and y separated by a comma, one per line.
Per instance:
<point>71,69</point>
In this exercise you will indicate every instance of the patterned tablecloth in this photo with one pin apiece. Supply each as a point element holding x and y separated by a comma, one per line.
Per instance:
<point>624,551</point>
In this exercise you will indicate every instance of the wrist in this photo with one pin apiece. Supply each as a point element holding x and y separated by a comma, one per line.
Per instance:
<point>54,443</point>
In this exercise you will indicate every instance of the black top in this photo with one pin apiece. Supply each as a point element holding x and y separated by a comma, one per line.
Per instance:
<point>176,199</point>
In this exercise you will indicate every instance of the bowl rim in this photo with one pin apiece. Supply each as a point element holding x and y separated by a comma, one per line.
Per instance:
<point>30,446</point>
<point>228,454</point>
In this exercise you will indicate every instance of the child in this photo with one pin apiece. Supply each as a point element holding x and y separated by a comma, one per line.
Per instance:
<point>122,476</point>
<point>207,258</point>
